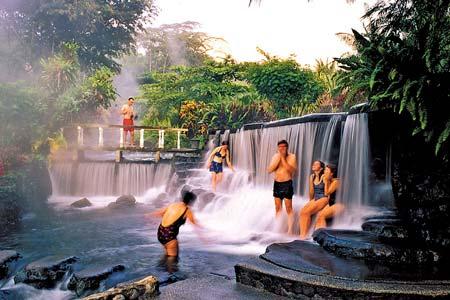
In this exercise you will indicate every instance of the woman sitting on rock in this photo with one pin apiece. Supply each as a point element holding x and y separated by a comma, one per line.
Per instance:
<point>332,208</point>
<point>317,198</point>
<point>173,217</point>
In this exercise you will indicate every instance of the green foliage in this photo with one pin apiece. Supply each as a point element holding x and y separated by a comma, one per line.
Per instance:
<point>175,45</point>
<point>403,64</point>
<point>105,30</point>
<point>285,83</point>
<point>22,113</point>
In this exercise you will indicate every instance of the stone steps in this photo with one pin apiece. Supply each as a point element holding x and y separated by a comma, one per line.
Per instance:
<point>302,270</point>
<point>368,246</point>
<point>386,229</point>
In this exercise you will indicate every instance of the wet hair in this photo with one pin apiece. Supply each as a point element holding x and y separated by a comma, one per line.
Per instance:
<point>322,165</point>
<point>189,198</point>
<point>333,169</point>
<point>283,142</point>
<point>131,98</point>
<point>225,143</point>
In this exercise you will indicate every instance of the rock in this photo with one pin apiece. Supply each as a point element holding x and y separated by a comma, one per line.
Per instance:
<point>367,246</point>
<point>198,191</point>
<point>123,201</point>
<point>81,203</point>
<point>161,197</point>
<point>46,272</point>
<point>145,288</point>
<point>387,229</point>
<point>90,279</point>
<point>208,197</point>
<point>6,256</point>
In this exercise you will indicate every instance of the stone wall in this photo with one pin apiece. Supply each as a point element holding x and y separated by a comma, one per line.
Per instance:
<point>420,181</point>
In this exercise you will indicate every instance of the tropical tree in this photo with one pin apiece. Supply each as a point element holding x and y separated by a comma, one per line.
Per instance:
<point>174,45</point>
<point>403,64</point>
<point>105,30</point>
<point>285,83</point>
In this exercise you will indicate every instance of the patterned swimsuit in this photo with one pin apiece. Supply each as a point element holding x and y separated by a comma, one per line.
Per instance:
<point>169,233</point>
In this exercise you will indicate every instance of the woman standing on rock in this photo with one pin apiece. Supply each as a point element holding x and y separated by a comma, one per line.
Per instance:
<point>332,208</point>
<point>215,163</point>
<point>173,217</point>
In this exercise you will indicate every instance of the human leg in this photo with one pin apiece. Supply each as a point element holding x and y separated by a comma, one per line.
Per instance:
<point>326,213</point>
<point>311,208</point>
<point>171,248</point>
<point>290,213</point>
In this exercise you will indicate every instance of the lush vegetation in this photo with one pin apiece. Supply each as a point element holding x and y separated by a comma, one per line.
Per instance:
<point>403,64</point>
<point>57,63</point>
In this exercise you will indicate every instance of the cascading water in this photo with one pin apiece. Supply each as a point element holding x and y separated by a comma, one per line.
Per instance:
<point>244,200</point>
<point>354,162</point>
<point>102,182</point>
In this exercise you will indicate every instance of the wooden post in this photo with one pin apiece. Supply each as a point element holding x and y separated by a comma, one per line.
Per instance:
<point>80,136</point>
<point>119,156</point>
<point>121,138</point>
<point>178,139</point>
<point>161,139</point>
<point>100,137</point>
<point>141,138</point>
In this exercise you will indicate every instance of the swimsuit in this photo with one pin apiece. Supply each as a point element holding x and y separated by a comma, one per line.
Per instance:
<point>128,125</point>
<point>332,199</point>
<point>217,167</point>
<point>319,190</point>
<point>170,233</point>
<point>283,190</point>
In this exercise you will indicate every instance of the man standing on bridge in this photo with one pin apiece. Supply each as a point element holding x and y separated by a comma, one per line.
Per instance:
<point>128,125</point>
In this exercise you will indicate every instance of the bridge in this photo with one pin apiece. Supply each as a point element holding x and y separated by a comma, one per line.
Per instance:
<point>107,137</point>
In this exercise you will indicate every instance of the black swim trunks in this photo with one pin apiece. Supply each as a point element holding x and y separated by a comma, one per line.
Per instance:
<point>283,190</point>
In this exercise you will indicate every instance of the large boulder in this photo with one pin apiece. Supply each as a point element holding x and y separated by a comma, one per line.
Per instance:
<point>146,288</point>
<point>123,202</point>
<point>90,279</point>
<point>81,203</point>
<point>46,272</point>
<point>6,257</point>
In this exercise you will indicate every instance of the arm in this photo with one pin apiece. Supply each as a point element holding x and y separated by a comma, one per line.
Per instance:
<point>229,161</point>
<point>290,163</point>
<point>157,213</point>
<point>123,110</point>
<point>210,158</point>
<point>330,187</point>
<point>311,187</point>
<point>190,217</point>
<point>274,163</point>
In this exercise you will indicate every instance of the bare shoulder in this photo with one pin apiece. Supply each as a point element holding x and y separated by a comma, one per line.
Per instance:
<point>291,157</point>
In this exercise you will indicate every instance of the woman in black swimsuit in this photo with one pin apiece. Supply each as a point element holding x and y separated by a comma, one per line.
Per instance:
<point>173,217</point>
<point>317,197</point>
<point>215,163</point>
<point>331,186</point>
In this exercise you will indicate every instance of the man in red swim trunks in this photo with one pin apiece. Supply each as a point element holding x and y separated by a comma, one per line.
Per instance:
<point>128,125</point>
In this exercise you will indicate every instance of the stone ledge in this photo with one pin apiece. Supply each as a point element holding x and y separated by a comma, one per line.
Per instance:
<point>299,285</point>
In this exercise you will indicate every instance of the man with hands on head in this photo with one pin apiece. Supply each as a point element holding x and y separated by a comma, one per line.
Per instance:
<point>283,165</point>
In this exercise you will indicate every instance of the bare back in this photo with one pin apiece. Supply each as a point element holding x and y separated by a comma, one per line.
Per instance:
<point>172,213</point>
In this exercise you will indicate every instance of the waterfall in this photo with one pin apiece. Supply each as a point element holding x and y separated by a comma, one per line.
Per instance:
<point>354,162</point>
<point>107,178</point>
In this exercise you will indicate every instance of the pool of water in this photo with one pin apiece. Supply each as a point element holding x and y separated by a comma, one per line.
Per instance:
<point>100,237</point>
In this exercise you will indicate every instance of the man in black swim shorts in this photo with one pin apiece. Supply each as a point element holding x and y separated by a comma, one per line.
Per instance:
<point>284,165</point>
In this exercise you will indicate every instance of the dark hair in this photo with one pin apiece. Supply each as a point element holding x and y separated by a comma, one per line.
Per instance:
<point>131,98</point>
<point>225,143</point>
<point>322,165</point>
<point>189,198</point>
<point>283,142</point>
<point>333,169</point>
